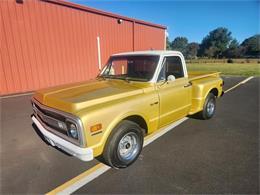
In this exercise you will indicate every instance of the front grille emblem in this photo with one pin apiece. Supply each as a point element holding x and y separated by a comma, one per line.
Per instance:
<point>61,125</point>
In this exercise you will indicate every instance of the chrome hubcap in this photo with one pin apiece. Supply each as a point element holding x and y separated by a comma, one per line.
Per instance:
<point>210,107</point>
<point>128,146</point>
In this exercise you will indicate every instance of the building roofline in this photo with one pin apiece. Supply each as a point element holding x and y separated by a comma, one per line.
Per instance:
<point>104,13</point>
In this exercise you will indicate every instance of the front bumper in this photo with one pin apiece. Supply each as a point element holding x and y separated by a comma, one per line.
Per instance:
<point>84,154</point>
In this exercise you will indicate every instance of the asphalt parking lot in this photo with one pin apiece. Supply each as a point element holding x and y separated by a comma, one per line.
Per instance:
<point>220,155</point>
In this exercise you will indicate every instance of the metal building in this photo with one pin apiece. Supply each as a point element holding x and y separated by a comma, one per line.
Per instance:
<point>52,42</point>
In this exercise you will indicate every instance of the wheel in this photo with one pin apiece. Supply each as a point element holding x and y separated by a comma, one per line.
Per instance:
<point>209,107</point>
<point>124,145</point>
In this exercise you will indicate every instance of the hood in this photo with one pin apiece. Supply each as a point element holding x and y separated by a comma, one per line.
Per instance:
<point>75,97</point>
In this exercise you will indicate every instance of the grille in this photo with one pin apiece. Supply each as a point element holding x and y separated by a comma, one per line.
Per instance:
<point>49,113</point>
<point>56,122</point>
<point>50,119</point>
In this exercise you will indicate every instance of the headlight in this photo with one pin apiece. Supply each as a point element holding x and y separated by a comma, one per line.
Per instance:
<point>72,130</point>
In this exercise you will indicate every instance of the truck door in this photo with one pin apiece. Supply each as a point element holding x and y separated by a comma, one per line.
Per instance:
<point>174,91</point>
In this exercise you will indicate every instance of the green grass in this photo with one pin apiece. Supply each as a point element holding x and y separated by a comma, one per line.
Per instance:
<point>249,69</point>
<point>221,61</point>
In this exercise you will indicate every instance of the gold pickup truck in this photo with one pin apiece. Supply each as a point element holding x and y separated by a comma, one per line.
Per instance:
<point>134,95</point>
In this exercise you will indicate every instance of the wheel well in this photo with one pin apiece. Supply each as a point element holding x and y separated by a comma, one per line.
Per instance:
<point>214,92</point>
<point>138,120</point>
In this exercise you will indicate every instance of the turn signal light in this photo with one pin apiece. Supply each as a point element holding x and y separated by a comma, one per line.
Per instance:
<point>95,128</point>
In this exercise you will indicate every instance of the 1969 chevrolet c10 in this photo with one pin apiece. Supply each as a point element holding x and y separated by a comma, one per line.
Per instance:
<point>135,94</point>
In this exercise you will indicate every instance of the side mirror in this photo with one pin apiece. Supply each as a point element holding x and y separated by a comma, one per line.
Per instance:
<point>161,82</point>
<point>171,78</point>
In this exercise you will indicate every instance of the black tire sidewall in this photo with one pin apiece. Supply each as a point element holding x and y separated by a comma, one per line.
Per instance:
<point>112,156</point>
<point>210,97</point>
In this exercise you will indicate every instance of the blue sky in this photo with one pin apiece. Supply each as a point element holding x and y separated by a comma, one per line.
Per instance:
<point>192,19</point>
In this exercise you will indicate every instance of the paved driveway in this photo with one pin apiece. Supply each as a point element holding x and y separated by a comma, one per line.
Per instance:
<point>215,156</point>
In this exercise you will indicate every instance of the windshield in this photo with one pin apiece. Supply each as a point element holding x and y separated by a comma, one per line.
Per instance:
<point>137,68</point>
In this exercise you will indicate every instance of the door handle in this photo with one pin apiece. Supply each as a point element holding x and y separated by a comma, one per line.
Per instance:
<point>187,85</point>
<point>154,103</point>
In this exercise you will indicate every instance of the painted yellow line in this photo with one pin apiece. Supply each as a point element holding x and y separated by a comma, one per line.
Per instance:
<point>240,83</point>
<point>92,173</point>
<point>73,184</point>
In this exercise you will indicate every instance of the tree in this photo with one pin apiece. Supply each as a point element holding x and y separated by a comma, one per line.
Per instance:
<point>233,44</point>
<point>210,52</point>
<point>215,43</point>
<point>179,44</point>
<point>251,46</point>
<point>168,44</point>
<point>192,50</point>
<point>234,50</point>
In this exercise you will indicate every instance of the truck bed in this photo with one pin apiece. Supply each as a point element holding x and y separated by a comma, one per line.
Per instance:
<point>199,75</point>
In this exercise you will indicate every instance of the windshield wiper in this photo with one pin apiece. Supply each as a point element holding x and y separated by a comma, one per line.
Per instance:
<point>124,78</point>
<point>120,78</point>
<point>101,77</point>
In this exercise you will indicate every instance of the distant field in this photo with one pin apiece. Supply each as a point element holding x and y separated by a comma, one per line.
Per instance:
<point>249,69</point>
<point>220,61</point>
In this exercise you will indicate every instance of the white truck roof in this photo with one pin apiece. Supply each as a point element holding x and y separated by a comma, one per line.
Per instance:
<point>150,52</point>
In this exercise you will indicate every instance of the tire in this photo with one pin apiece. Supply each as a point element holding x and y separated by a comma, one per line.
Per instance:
<point>209,107</point>
<point>124,145</point>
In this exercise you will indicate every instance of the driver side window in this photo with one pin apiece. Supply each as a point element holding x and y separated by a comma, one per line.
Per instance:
<point>172,66</point>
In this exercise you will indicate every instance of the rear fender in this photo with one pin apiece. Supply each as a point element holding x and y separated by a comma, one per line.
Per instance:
<point>201,89</point>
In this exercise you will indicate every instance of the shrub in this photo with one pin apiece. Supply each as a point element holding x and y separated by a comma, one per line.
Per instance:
<point>230,61</point>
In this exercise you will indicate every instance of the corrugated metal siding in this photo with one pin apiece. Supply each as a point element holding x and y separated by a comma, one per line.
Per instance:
<point>147,37</point>
<point>44,44</point>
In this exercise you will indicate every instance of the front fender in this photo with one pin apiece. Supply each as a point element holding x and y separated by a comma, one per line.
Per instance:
<point>117,120</point>
<point>99,147</point>
<point>110,114</point>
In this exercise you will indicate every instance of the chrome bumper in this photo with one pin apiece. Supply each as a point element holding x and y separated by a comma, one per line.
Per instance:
<point>84,154</point>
